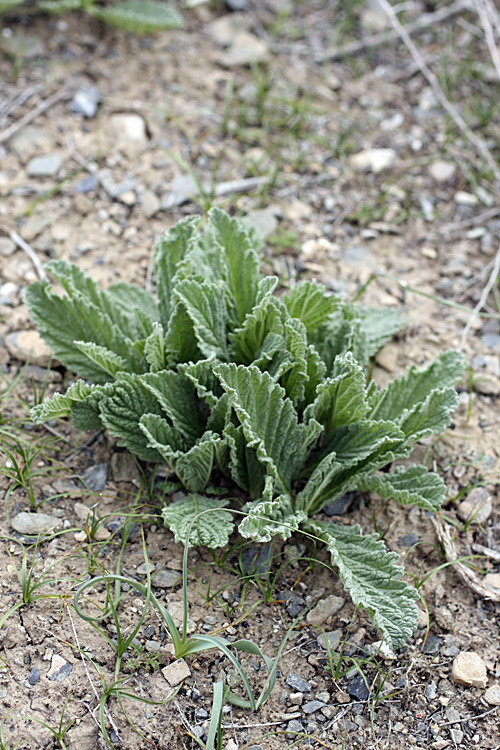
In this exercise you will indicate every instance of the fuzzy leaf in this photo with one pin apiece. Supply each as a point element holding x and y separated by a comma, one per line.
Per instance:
<point>353,451</point>
<point>180,340</point>
<point>202,376</point>
<point>60,405</point>
<point>154,349</point>
<point>340,399</point>
<point>242,274</point>
<point>372,577</point>
<point>206,306</point>
<point>245,468</point>
<point>121,413</point>
<point>169,252</point>
<point>56,7</point>
<point>268,418</point>
<point>139,16</point>
<point>414,387</point>
<point>268,517</point>
<point>261,335</point>
<point>408,486</point>
<point>177,396</point>
<point>431,416</point>
<point>210,529</point>
<point>309,302</point>
<point>109,362</point>
<point>379,325</point>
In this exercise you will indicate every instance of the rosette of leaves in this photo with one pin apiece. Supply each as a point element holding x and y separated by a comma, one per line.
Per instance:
<point>138,16</point>
<point>215,373</point>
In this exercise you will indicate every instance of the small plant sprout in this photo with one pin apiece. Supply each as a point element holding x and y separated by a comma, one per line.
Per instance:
<point>222,380</point>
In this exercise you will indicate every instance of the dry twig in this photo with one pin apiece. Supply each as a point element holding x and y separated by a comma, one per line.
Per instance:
<point>484,296</point>
<point>42,107</point>
<point>457,118</point>
<point>466,574</point>
<point>17,240</point>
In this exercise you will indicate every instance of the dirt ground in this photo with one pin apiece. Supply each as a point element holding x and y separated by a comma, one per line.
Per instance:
<point>349,168</point>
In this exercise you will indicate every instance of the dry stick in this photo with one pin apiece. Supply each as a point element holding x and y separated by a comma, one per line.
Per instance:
<point>42,107</point>
<point>84,660</point>
<point>433,81</point>
<point>482,11</point>
<point>465,573</point>
<point>484,296</point>
<point>489,214</point>
<point>421,23</point>
<point>17,240</point>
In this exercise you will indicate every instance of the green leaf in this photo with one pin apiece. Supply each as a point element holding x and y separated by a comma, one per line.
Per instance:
<point>340,399</point>
<point>408,486</point>
<point>242,274</point>
<point>353,451</point>
<point>169,252</point>
<point>397,400</point>
<point>205,381</point>
<point>136,306</point>
<point>57,7</point>
<point>268,517</point>
<point>379,325</point>
<point>245,468</point>
<point>177,397</point>
<point>85,414</point>
<point>268,419</point>
<point>372,577</point>
<point>139,16</point>
<point>206,306</point>
<point>109,362</point>
<point>430,417</point>
<point>121,413</point>
<point>180,340</point>
<point>260,336</point>
<point>6,5</point>
<point>211,529</point>
<point>60,405</point>
<point>155,349</point>
<point>192,464</point>
<point>309,302</point>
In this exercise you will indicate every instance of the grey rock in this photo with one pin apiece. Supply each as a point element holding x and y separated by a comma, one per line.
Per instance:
<point>358,254</point>
<point>324,609</point>
<point>165,579</point>
<point>153,646</point>
<point>201,714</point>
<point>492,695</point>
<point>477,506</point>
<point>246,50</point>
<point>44,166</point>
<point>124,468</point>
<point>141,570</point>
<point>297,683</point>
<point>293,551</point>
<point>86,185</point>
<point>257,560</point>
<point>59,675</point>
<point>7,247</point>
<point>293,728</point>
<point>491,340</point>
<point>263,221</point>
<point>357,688</point>
<point>34,676</point>
<point>27,140</point>
<point>86,101</point>
<point>329,711</point>
<point>408,540</point>
<point>311,706</point>
<point>33,524</point>
<point>150,204</point>
<point>236,6</point>
<point>182,189</point>
<point>332,638</point>
<point>95,477</point>
<point>432,645</point>
<point>430,691</point>
<point>340,505</point>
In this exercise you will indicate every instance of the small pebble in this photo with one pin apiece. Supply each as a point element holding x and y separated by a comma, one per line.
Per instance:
<point>492,695</point>
<point>325,609</point>
<point>297,683</point>
<point>358,689</point>
<point>34,676</point>
<point>176,672</point>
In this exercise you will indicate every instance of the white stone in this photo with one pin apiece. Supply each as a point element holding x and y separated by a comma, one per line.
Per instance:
<point>150,204</point>
<point>129,129</point>
<point>373,159</point>
<point>442,171</point>
<point>176,672</point>
<point>7,247</point>
<point>28,346</point>
<point>469,669</point>
<point>246,49</point>
<point>465,199</point>
<point>476,506</point>
<point>56,664</point>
